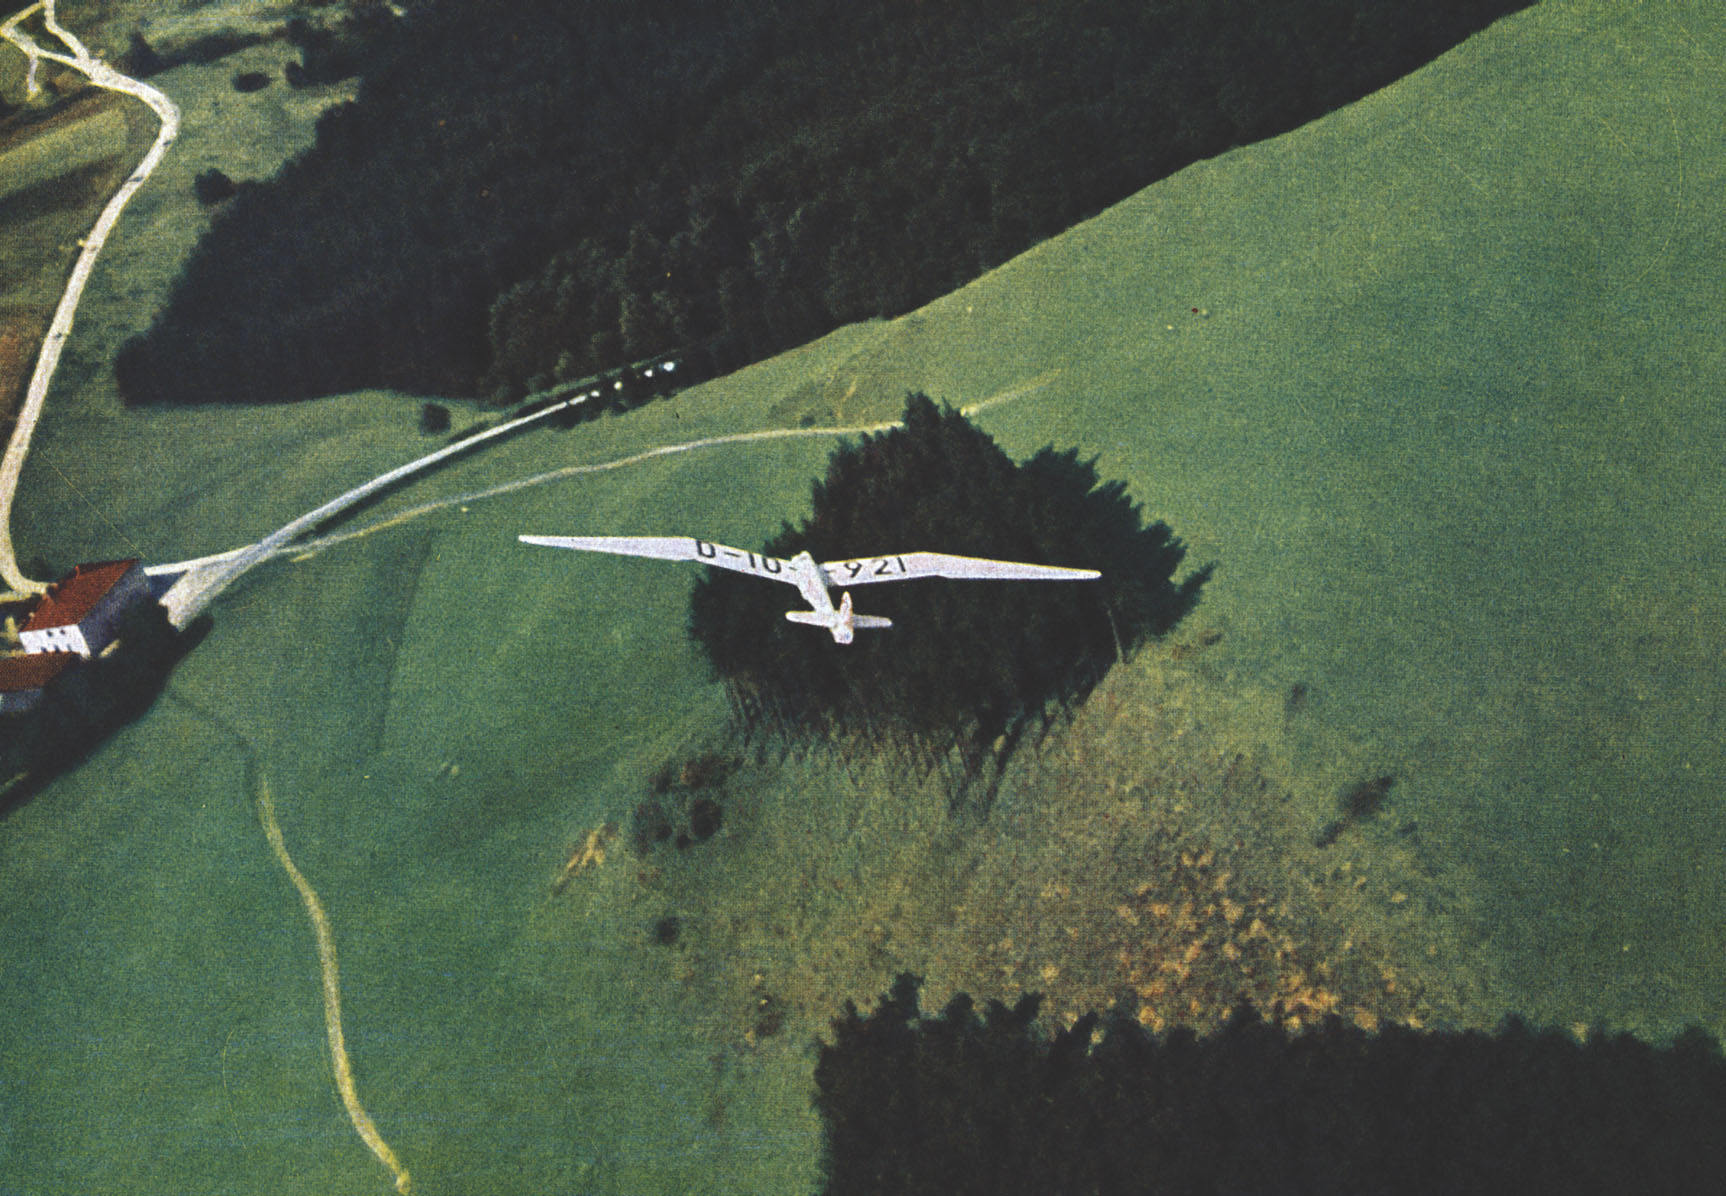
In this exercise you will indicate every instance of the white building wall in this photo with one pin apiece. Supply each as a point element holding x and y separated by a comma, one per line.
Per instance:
<point>55,639</point>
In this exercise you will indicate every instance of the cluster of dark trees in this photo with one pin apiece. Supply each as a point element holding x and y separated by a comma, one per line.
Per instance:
<point>533,192</point>
<point>685,803</point>
<point>212,186</point>
<point>329,54</point>
<point>965,661</point>
<point>960,1104</point>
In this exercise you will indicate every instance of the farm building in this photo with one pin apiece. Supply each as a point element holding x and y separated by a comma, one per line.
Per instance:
<point>23,678</point>
<point>81,612</point>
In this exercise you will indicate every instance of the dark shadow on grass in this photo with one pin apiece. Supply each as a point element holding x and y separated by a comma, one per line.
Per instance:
<point>90,702</point>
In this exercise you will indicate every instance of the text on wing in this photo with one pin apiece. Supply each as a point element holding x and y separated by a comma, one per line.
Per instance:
<point>734,558</point>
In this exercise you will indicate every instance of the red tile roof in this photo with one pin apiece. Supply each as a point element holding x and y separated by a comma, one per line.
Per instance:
<point>71,598</point>
<point>33,671</point>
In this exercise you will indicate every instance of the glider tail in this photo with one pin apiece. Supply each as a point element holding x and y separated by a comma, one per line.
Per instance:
<point>842,623</point>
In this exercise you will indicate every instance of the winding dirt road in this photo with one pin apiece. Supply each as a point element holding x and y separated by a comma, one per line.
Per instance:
<point>79,58</point>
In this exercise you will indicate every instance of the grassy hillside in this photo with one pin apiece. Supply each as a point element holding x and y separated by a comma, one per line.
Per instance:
<point>1445,414</point>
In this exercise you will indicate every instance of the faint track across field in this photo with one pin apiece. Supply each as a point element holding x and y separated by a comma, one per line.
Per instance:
<point>287,546</point>
<point>323,935</point>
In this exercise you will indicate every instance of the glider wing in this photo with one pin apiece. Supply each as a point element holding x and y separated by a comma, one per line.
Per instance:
<point>675,548</point>
<point>910,565</point>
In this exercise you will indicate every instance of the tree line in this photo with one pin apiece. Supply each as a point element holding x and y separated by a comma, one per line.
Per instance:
<point>963,1103</point>
<point>538,191</point>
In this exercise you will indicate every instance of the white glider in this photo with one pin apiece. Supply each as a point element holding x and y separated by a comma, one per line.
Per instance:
<point>811,579</point>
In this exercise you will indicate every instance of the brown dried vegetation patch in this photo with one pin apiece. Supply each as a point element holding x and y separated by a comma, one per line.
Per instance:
<point>1178,877</point>
<point>1153,854</point>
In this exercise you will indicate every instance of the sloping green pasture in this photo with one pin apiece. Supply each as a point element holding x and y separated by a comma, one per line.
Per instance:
<point>1447,415</point>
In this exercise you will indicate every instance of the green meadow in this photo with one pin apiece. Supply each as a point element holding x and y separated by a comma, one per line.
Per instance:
<point>1434,380</point>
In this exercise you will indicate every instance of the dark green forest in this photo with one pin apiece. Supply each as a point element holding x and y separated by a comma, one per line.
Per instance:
<point>961,1104</point>
<point>530,192</point>
<point>965,662</point>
